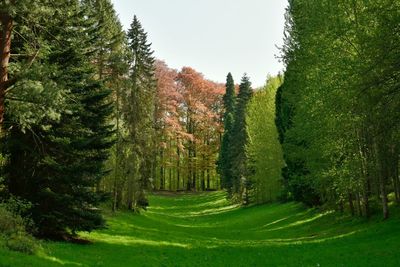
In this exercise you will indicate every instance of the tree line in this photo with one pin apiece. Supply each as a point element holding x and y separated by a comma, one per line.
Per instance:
<point>250,158</point>
<point>338,109</point>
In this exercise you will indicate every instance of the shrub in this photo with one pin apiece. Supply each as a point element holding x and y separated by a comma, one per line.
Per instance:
<point>22,242</point>
<point>13,227</point>
<point>9,222</point>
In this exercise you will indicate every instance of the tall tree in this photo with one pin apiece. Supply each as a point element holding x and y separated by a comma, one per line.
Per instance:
<point>138,113</point>
<point>23,42</point>
<point>240,171</point>
<point>337,111</point>
<point>56,164</point>
<point>201,108</point>
<point>224,161</point>
<point>264,149</point>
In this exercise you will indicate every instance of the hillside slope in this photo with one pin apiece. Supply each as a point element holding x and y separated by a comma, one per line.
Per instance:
<point>204,230</point>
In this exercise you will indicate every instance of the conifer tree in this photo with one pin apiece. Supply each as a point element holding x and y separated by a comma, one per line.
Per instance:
<point>56,163</point>
<point>138,114</point>
<point>239,170</point>
<point>224,161</point>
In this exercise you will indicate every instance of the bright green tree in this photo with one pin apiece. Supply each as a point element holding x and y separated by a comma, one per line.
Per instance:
<point>338,108</point>
<point>264,149</point>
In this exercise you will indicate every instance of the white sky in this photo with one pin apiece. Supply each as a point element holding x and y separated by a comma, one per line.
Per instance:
<point>212,36</point>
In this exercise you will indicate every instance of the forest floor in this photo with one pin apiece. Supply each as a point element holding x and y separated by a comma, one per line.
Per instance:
<point>205,230</point>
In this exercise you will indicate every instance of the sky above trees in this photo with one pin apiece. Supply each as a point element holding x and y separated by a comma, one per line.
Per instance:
<point>213,36</point>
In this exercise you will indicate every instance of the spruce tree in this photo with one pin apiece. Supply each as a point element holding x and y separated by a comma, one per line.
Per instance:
<point>138,113</point>
<point>239,137</point>
<point>56,164</point>
<point>224,161</point>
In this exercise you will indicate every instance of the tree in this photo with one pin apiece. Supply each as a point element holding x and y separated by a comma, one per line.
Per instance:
<point>138,113</point>
<point>224,161</point>
<point>108,53</point>
<point>55,165</point>
<point>240,171</point>
<point>26,85</point>
<point>338,107</point>
<point>170,132</point>
<point>264,149</point>
<point>200,112</point>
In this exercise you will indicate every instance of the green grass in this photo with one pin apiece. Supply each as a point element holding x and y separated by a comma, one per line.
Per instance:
<point>204,230</point>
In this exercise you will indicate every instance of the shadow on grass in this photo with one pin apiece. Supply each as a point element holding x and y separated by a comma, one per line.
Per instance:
<point>203,228</point>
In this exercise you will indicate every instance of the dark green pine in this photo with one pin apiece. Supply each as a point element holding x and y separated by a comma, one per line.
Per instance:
<point>224,163</point>
<point>56,168</point>
<point>240,137</point>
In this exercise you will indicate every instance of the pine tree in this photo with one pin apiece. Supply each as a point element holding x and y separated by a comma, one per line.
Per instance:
<point>56,164</point>
<point>239,157</point>
<point>21,46</point>
<point>224,161</point>
<point>138,113</point>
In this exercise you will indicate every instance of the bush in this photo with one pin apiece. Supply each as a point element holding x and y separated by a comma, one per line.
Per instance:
<point>13,227</point>
<point>22,242</point>
<point>10,223</point>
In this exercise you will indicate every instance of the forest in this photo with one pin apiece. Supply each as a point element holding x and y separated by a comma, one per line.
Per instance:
<point>110,157</point>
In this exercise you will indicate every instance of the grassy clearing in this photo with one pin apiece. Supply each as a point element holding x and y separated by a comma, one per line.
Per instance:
<point>204,230</point>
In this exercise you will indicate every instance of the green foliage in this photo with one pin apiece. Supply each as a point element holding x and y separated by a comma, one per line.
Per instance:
<point>338,109</point>
<point>224,160</point>
<point>22,243</point>
<point>13,227</point>
<point>263,147</point>
<point>9,222</point>
<point>138,116</point>
<point>239,157</point>
<point>36,99</point>
<point>56,167</point>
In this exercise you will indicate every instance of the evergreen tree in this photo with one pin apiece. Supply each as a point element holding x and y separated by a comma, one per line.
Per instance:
<point>24,79</point>
<point>240,172</point>
<point>56,164</point>
<point>138,113</point>
<point>224,161</point>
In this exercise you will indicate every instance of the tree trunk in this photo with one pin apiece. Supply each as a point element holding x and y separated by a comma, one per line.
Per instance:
<point>161,169</point>
<point>382,159</point>
<point>130,193</point>
<point>208,178</point>
<point>394,172</point>
<point>382,187</point>
<point>384,198</point>
<point>203,180</point>
<point>178,167</point>
<point>341,206</point>
<point>203,172</point>
<point>117,154</point>
<point>194,173</point>
<point>170,167</point>
<point>351,205</point>
<point>189,174</point>
<point>366,197</point>
<point>5,50</point>
<point>358,205</point>
<point>119,197</point>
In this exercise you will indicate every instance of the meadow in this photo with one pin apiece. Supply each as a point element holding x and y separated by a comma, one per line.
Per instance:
<point>205,230</point>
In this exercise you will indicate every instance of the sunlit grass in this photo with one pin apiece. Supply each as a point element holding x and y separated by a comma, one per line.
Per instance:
<point>206,230</point>
<point>127,240</point>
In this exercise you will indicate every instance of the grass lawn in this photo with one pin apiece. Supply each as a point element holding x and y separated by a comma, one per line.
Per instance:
<point>204,230</point>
